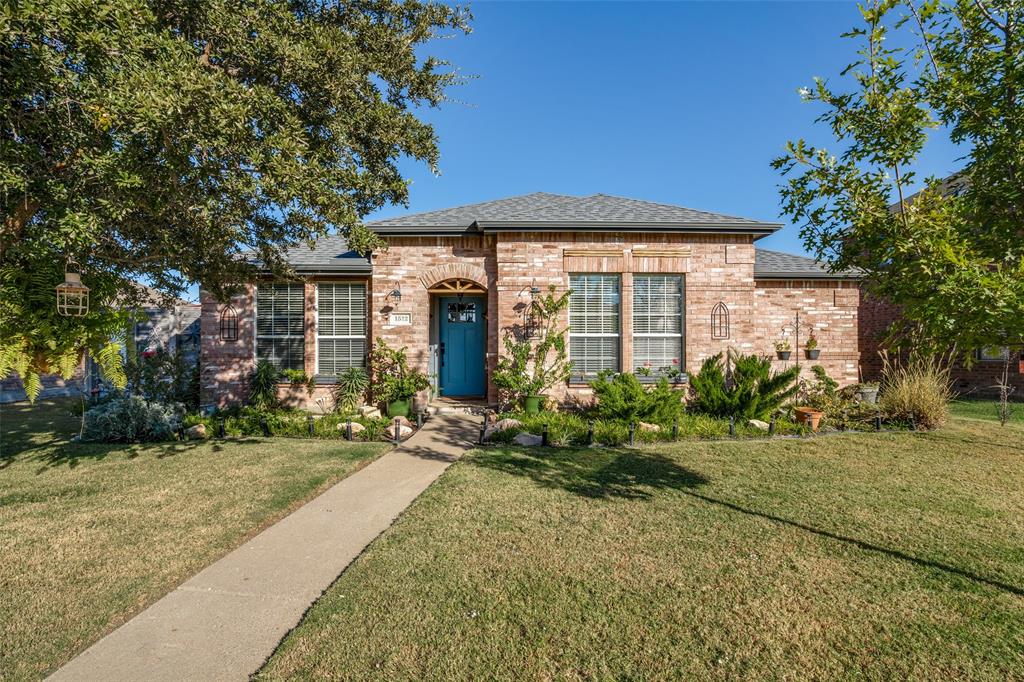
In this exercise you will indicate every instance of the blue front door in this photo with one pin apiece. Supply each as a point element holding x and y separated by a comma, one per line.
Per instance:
<point>463,339</point>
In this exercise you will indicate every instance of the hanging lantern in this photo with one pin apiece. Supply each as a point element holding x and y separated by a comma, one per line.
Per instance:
<point>72,296</point>
<point>228,324</point>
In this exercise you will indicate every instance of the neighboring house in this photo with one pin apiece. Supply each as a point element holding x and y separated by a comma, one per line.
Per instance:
<point>979,378</point>
<point>653,285</point>
<point>171,328</point>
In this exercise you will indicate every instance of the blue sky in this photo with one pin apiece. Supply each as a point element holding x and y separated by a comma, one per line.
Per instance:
<point>683,103</point>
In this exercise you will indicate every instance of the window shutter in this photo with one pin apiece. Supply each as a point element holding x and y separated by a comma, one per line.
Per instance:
<point>280,322</point>
<point>341,327</point>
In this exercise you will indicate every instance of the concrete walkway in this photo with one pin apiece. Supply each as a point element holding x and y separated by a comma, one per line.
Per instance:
<point>223,623</point>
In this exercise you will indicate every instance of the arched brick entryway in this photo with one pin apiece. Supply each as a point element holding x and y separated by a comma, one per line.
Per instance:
<point>440,273</point>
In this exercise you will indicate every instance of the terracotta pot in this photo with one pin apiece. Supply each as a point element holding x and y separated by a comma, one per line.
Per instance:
<point>809,416</point>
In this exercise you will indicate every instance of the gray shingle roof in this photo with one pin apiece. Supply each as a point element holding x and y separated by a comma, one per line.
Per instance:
<point>542,211</point>
<point>779,265</point>
<point>329,255</point>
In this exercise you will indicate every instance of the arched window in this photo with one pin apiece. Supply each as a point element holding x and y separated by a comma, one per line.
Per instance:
<point>720,321</point>
<point>228,324</point>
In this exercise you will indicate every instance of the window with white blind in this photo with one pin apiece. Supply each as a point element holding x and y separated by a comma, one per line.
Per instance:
<point>657,322</point>
<point>280,315</point>
<point>341,327</point>
<point>594,323</point>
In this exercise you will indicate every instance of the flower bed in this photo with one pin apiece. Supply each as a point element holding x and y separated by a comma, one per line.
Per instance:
<point>288,423</point>
<point>573,429</point>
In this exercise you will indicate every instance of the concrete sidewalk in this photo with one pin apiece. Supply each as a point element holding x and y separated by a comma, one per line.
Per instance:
<point>223,623</point>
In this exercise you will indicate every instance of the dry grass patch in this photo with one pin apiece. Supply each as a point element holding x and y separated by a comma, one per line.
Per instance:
<point>884,556</point>
<point>92,533</point>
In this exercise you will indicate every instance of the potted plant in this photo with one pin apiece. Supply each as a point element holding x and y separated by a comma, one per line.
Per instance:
<point>392,382</point>
<point>868,392</point>
<point>672,372</point>
<point>808,415</point>
<point>783,349</point>
<point>535,357</point>
<point>811,347</point>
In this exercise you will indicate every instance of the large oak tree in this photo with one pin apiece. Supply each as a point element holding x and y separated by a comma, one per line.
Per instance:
<point>158,140</point>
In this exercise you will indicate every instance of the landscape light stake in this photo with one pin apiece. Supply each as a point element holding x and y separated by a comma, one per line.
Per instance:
<point>483,431</point>
<point>398,431</point>
<point>913,423</point>
<point>348,429</point>
<point>221,428</point>
<point>590,432</point>
<point>675,429</point>
<point>419,420</point>
<point>544,436</point>
<point>632,432</point>
<point>265,427</point>
<point>878,422</point>
<point>181,433</point>
<point>771,426</point>
<point>732,426</point>
<point>309,424</point>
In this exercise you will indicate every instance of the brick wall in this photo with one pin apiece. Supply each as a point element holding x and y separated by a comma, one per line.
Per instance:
<point>980,379</point>
<point>414,264</point>
<point>225,366</point>
<point>828,307</point>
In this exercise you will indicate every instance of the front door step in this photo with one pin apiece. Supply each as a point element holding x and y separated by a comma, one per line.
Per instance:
<point>458,407</point>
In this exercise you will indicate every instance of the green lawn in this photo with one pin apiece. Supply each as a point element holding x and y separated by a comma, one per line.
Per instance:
<point>877,556</point>
<point>92,533</point>
<point>986,409</point>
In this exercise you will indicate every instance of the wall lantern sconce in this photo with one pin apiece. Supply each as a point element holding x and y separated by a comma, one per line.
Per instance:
<point>72,296</point>
<point>228,324</point>
<point>395,295</point>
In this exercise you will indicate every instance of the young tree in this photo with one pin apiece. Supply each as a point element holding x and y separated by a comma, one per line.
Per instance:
<point>952,256</point>
<point>162,139</point>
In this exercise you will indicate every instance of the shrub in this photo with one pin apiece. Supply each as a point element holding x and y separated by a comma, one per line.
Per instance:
<point>390,376</point>
<point>298,379</point>
<point>286,423</point>
<point>752,391</point>
<point>535,357</point>
<point>164,377</point>
<point>263,385</point>
<point>350,389</point>
<point>622,397</point>
<point>131,419</point>
<point>919,390</point>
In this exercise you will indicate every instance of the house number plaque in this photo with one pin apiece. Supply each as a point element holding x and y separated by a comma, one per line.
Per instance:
<point>398,319</point>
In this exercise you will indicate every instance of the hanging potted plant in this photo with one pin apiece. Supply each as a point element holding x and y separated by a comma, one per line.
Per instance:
<point>783,349</point>
<point>811,347</point>
<point>535,359</point>
<point>392,382</point>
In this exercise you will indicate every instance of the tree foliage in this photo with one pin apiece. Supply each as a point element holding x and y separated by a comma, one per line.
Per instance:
<point>175,141</point>
<point>952,256</point>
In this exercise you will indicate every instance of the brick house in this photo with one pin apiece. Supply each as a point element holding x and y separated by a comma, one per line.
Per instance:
<point>653,286</point>
<point>979,378</point>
